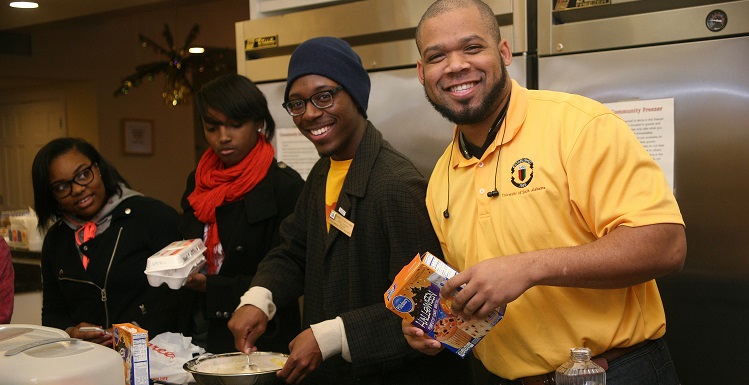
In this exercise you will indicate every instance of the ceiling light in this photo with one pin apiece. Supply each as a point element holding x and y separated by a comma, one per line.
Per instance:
<point>196,50</point>
<point>24,4</point>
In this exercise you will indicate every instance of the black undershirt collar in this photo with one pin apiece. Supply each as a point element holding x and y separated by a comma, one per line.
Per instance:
<point>469,150</point>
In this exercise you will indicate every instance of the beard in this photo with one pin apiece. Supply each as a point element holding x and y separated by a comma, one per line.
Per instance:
<point>468,115</point>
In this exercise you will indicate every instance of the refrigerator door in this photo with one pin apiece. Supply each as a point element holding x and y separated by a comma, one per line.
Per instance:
<point>706,304</point>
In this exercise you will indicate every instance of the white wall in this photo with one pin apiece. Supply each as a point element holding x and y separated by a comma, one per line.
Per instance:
<point>27,308</point>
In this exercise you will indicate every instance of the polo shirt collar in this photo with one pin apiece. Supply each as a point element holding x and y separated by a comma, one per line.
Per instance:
<point>516,113</point>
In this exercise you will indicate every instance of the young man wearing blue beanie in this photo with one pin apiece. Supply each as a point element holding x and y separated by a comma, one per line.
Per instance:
<point>361,218</point>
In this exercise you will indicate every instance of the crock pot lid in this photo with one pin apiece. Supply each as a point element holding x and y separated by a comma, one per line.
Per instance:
<point>12,336</point>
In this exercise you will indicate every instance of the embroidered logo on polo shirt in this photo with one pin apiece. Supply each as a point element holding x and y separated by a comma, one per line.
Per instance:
<point>522,173</point>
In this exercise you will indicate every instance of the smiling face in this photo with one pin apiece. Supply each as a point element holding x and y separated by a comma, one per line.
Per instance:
<point>84,201</point>
<point>335,131</point>
<point>230,140</point>
<point>462,66</point>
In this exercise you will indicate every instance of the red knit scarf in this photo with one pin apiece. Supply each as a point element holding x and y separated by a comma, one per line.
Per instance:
<point>84,234</point>
<point>215,185</point>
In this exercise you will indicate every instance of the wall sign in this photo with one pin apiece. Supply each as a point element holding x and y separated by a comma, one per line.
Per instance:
<point>138,136</point>
<point>652,121</point>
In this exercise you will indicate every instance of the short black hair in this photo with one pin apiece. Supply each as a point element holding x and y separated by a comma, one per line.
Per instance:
<point>238,98</point>
<point>45,204</point>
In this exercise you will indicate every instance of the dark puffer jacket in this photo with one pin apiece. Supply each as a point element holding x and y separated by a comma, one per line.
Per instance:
<point>114,287</point>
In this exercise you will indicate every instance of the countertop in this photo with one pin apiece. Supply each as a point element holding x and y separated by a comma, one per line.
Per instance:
<point>27,266</point>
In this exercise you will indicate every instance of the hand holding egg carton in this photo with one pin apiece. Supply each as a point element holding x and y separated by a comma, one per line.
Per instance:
<point>175,262</point>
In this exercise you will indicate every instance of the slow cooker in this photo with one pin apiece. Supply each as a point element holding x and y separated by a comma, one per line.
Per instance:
<point>32,354</point>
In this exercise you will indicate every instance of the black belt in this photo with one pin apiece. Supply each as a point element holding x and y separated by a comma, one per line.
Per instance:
<point>602,360</point>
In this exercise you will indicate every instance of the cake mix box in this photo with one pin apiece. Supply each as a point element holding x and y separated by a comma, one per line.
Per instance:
<point>131,342</point>
<point>415,296</point>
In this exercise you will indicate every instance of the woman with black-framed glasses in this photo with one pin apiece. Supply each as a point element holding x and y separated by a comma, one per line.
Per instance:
<point>99,235</point>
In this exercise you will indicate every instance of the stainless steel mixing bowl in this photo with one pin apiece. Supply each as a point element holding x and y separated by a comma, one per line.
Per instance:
<point>203,376</point>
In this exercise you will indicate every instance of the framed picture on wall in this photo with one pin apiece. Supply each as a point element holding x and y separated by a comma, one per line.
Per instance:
<point>138,136</point>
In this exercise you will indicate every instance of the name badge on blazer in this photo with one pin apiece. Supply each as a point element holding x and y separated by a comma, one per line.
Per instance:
<point>341,223</point>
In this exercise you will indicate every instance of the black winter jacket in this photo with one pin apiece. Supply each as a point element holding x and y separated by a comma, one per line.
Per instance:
<point>139,228</point>
<point>248,229</point>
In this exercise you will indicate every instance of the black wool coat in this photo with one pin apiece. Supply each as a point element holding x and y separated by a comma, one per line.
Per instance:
<point>248,229</point>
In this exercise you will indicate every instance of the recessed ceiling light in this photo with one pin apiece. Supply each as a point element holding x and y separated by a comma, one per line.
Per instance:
<point>196,50</point>
<point>24,4</point>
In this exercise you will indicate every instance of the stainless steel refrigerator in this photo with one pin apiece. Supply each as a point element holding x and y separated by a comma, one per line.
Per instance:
<point>696,52</point>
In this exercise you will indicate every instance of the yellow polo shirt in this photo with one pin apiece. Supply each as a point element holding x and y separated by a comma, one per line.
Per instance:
<point>570,171</point>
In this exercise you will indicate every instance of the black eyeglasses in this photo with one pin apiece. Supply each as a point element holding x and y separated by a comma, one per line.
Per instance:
<point>65,188</point>
<point>321,100</point>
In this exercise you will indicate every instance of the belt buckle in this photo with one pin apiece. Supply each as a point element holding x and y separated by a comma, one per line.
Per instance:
<point>546,379</point>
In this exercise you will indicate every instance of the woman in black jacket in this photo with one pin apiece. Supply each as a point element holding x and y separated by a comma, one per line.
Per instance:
<point>99,235</point>
<point>235,201</point>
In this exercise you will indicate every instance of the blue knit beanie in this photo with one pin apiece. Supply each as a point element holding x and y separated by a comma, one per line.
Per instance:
<point>334,59</point>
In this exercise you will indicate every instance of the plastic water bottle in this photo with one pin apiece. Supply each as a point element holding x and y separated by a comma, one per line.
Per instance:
<point>580,370</point>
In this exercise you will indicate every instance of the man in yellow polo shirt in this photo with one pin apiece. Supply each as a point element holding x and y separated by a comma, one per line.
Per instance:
<point>547,203</point>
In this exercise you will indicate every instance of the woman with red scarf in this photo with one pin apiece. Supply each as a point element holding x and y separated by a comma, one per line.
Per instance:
<point>235,201</point>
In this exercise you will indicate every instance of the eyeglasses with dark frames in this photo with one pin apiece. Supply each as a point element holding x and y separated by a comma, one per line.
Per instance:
<point>320,100</point>
<point>82,178</point>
